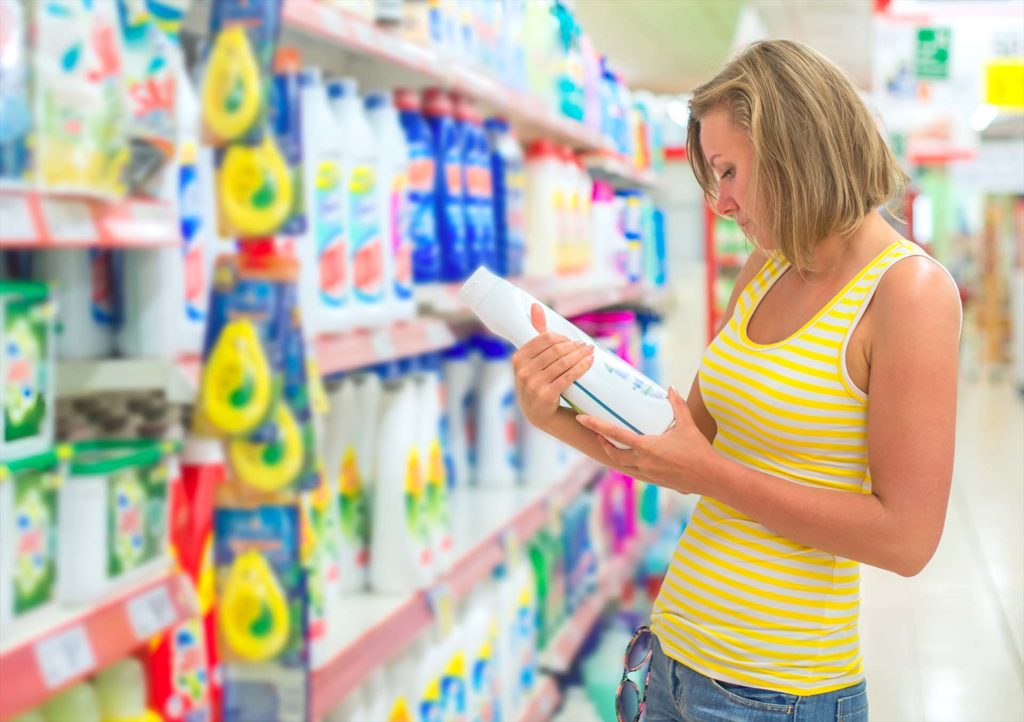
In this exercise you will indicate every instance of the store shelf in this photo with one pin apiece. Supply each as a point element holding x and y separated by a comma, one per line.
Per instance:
<point>563,650</point>
<point>543,702</point>
<point>378,627</point>
<point>30,219</point>
<point>70,646</point>
<point>617,170</point>
<point>179,379</point>
<point>529,115</point>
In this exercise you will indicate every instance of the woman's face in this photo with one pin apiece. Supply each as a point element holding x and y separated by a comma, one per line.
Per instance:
<point>731,153</point>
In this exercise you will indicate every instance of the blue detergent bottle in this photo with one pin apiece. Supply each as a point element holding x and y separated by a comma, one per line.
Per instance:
<point>448,194</point>
<point>422,178</point>
<point>478,188</point>
<point>508,175</point>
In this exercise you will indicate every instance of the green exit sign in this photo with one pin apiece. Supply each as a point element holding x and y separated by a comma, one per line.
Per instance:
<point>932,58</point>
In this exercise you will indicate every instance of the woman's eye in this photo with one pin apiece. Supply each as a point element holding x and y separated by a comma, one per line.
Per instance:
<point>728,174</point>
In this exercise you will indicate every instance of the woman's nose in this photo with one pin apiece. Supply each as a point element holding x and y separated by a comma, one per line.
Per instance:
<point>725,205</point>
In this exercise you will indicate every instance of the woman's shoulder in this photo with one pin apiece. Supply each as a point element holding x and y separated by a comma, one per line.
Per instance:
<point>916,287</point>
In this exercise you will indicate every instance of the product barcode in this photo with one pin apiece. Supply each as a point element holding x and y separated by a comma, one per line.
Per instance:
<point>64,656</point>
<point>151,612</point>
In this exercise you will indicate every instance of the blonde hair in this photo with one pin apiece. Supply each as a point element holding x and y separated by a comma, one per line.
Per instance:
<point>821,164</point>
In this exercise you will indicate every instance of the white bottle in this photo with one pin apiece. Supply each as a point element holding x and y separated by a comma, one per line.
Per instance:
<point>83,287</point>
<point>392,183</point>
<point>479,637</point>
<point>543,175</point>
<point>611,389</point>
<point>367,249</point>
<point>153,287</point>
<point>498,417</point>
<point>400,555</point>
<point>606,234</point>
<point>460,383</point>
<point>345,468</point>
<point>430,403</point>
<point>542,457</point>
<point>516,646</point>
<point>325,272</point>
<point>193,180</point>
<point>364,418</point>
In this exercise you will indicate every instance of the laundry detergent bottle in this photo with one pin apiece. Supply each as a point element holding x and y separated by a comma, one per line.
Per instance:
<point>498,415</point>
<point>459,381</point>
<point>393,192</point>
<point>370,259</point>
<point>430,390</point>
<point>448,188</point>
<point>509,177</point>
<point>426,251</point>
<point>401,559</point>
<point>325,285</point>
<point>611,389</point>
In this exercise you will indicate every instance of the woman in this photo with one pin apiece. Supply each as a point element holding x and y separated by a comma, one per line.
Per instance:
<point>819,430</point>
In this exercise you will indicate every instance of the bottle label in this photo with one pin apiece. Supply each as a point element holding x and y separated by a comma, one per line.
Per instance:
<point>191,248</point>
<point>329,234</point>
<point>510,417</point>
<point>437,494</point>
<point>478,182</point>
<point>367,244</point>
<point>352,502</point>
<point>35,537</point>
<point>416,507</point>
<point>190,680</point>
<point>454,701</point>
<point>103,301</point>
<point>469,416</point>
<point>401,240</point>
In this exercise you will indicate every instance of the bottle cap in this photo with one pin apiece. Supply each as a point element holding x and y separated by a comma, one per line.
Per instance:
<point>287,60</point>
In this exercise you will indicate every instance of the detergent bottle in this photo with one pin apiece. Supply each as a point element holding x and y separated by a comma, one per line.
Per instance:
<point>367,249</point>
<point>543,222</point>
<point>509,177</point>
<point>459,385</point>
<point>121,691</point>
<point>393,190</point>
<point>75,704</point>
<point>498,440</point>
<point>325,282</point>
<point>448,188</point>
<point>477,188</point>
<point>426,251</point>
<point>401,559</point>
<point>543,461</point>
<point>358,477</point>
<point>611,389</point>
<point>430,404</point>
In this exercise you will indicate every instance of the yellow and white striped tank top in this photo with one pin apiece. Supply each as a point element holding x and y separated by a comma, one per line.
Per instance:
<point>740,603</point>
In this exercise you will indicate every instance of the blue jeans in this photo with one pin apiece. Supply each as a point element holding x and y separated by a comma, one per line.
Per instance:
<point>676,693</point>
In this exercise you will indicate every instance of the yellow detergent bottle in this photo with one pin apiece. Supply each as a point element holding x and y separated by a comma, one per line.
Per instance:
<point>232,92</point>
<point>270,467</point>
<point>253,613</point>
<point>237,386</point>
<point>121,690</point>
<point>255,189</point>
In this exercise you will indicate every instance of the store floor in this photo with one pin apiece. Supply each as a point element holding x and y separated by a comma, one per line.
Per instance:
<point>949,643</point>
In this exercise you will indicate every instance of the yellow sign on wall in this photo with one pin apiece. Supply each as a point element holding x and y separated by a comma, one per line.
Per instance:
<point>1004,84</point>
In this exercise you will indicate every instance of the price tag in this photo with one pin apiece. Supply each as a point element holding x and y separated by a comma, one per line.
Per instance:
<point>383,347</point>
<point>65,656</point>
<point>69,221</point>
<point>151,612</point>
<point>443,606</point>
<point>16,219</point>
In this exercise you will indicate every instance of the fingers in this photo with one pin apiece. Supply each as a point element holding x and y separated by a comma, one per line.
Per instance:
<point>572,373</point>
<point>622,459</point>
<point>611,431</point>
<point>561,357</point>
<point>539,320</point>
<point>537,345</point>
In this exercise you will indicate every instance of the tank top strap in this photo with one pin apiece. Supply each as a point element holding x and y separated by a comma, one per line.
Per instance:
<point>853,301</point>
<point>759,284</point>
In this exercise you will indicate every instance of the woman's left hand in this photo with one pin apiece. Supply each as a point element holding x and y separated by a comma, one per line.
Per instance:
<point>678,459</point>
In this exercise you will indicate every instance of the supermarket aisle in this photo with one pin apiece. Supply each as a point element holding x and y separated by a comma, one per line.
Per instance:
<point>949,643</point>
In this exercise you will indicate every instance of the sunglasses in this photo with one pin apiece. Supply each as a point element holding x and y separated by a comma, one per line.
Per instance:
<point>629,707</point>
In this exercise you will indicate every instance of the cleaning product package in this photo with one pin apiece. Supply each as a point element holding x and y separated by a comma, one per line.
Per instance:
<point>81,139</point>
<point>611,389</point>
<point>27,382</point>
<point>261,593</point>
<point>15,99</point>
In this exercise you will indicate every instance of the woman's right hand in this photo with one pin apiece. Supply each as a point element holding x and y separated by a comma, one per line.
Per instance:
<point>545,367</point>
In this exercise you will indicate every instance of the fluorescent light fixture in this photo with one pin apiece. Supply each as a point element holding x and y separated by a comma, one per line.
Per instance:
<point>982,117</point>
